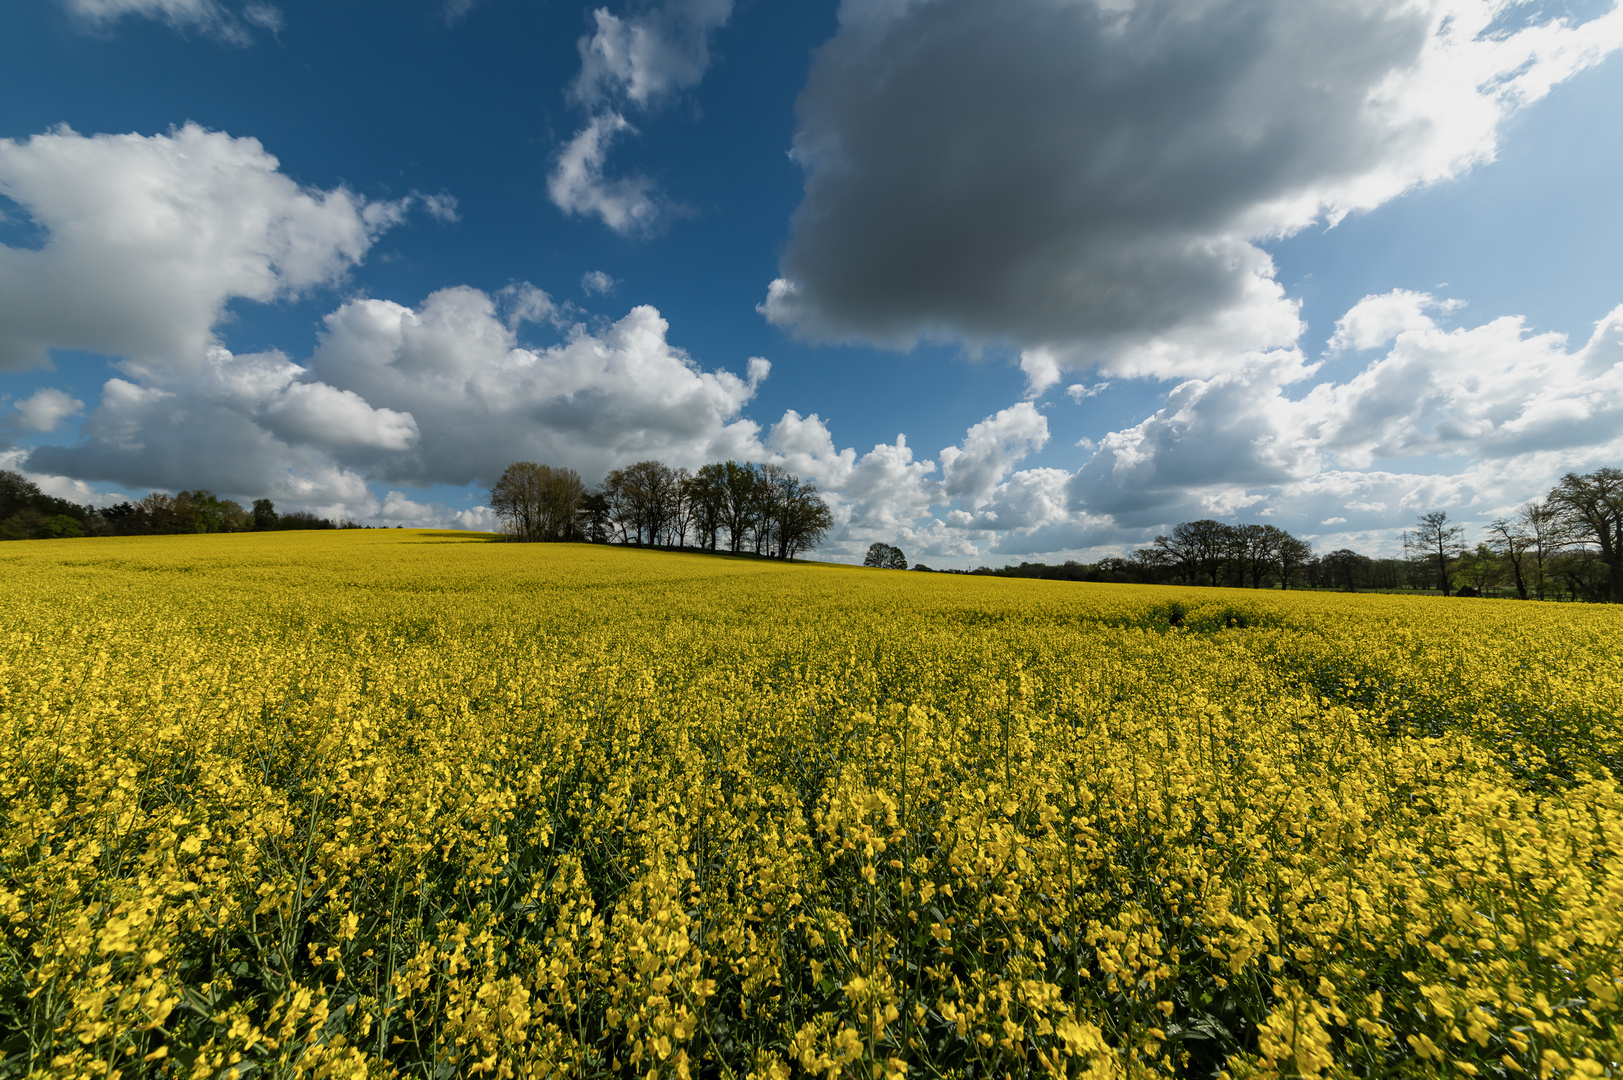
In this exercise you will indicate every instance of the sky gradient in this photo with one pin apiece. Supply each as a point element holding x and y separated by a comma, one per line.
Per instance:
<point>1033,279</point>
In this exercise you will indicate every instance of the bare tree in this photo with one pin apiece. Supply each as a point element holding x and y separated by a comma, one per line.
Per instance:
<point>1510,541</point>
<point>1542,525</point>
<point>769,504</point>
<point>538,502</point>
<point>804,518</point>
<point>1440,540</point>
<point>738,502</point>
<point>707,496</point>
<point>680,505</point>
<point>1290,555</point>
<point>619,505</point>
<point>516,498</point>
<point>1254,549</point>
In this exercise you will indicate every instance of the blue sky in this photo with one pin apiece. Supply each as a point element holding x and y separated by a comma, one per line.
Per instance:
<point>1032,279</point>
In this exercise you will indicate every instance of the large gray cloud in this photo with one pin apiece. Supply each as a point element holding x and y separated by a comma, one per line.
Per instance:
<point>1089,179</point>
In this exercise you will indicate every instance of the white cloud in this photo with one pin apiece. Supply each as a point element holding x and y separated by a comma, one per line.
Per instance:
<point>524,303</point>
<point>877,495</point>
<point>1080,392</point>
<point>454,11</point>
<point>443,393</point>
<point>1027,500</point>
<point>597,283</point>
<point>1090,182</point>
<point>1486,417</point>
<point>989,451</point>
<point>481,400</point>
<point>319,415</point>
<point>1378,320</point>
<point>206,16</point>
<point>639,61</point>
<point>646,57</point>
<point>46,408</point>
<point>1227,501</point>
<point>441,207</point>
<point>149,237</point>
<point>626,204</point>
<point>1042,371</point>
<point>202,429</point>
<point>1488,392</point>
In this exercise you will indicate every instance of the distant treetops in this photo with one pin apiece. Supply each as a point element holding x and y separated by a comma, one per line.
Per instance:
<point>743,508</point>
<point>26,513</point>
<point>1567,545</point>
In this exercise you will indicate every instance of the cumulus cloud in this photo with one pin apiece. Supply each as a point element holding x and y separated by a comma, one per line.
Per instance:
<point>149,237</point>
<point>454,11</point>
<point>440,207</point>
<point>1041,368</point>
<point>205,16</point>
<point>1028,499</point>
<point>480,399</point>
<point>1090,181</point>
<point>200,431</point>
<point>446,393</point>
<point>646,57</point>
<point>44,409</point>
<point>443,393</point>
<point>877,496</point>
<point>1485,415</point>
<point>1377,320</point>
<point>319,415</point>
<point>638,61</point>
<point>1492,391</point>
<point>990,449</point>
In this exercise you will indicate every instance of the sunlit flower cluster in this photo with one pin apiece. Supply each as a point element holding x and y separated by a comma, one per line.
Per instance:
<point>402,803</point>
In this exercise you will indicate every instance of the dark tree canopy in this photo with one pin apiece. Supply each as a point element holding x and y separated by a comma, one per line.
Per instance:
<point>26,513</point>
<point>1590,509</point>
<point>885,557</point>
<point>759,509</point>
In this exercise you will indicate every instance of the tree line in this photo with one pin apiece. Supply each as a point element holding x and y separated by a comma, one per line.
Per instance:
<point>760,509</point>
<point>27,513</point>
<point>1566,545</point>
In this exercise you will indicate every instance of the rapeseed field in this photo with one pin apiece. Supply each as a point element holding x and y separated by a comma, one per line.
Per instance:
<point>409,804</point>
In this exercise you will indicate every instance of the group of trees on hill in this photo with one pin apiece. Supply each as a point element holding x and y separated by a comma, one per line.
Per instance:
<point>27,513</point>
<point>748,507</point>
